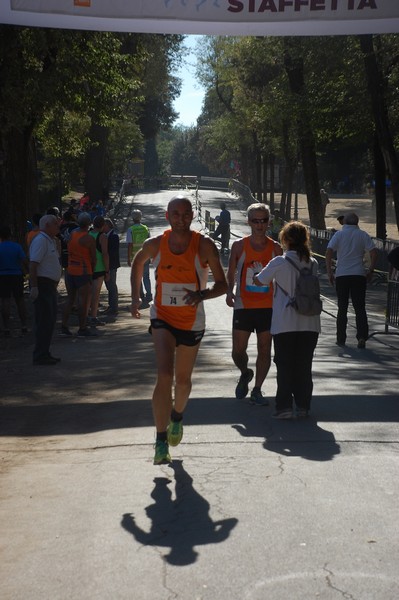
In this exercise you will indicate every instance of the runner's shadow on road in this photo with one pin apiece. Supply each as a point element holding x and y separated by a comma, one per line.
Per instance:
<point>179,523</point>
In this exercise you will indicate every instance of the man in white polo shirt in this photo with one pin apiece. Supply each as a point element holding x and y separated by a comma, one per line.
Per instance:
<point>44,274</point>
<point>350,244</point>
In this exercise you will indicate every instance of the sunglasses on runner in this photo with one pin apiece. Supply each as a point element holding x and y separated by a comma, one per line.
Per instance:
<point>257,221</point>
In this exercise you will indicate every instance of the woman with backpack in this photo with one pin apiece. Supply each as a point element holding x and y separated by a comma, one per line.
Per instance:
<point>295,334</point>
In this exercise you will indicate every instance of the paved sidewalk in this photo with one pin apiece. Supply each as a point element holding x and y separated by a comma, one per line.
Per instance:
<point>250,509</point>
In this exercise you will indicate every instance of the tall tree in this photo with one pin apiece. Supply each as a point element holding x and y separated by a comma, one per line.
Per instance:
<point>376,89</point>
<point>47,72</point>
<point>294,64</point>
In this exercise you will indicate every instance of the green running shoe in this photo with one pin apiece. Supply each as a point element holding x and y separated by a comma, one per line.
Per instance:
<point>175,432</point>
<point>162,456</point>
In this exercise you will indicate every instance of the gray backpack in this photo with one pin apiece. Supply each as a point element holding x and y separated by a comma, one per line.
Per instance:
<point>307,299</point>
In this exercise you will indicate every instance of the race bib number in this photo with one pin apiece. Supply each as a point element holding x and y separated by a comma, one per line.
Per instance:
<point>249,281</point>
<point>173,293</point>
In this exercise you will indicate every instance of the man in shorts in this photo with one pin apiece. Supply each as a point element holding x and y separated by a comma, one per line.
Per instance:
<point>181,258</point>
<point>136,235</point>
<point>252,308</point>
<point>79,275</point>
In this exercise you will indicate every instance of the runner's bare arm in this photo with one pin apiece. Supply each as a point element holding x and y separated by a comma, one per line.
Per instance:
<point>129,254</point>
<point>149,250</point>
<point>88,242</point>
<point>235,252</point>
<point>209,254</point>
<point>104,251</point>
<point>328,259</point>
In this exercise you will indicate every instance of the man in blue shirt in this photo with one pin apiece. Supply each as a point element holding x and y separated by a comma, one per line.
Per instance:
<point>13,264</point>
<point>223,228</point>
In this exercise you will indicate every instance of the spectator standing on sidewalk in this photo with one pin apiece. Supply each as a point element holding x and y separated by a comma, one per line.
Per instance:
<point>182,259</point>
<point>68,225</point>
<point>13,265</point>
<point>79,275</point>
<point>136,235</point>
<point>44,274</point>
<point>114,264</point>
<point>294,335</point>
<point>101,268</point>
<point>276,225</point>
<point>324,200</point>
<point>252,304</point>
<point>34,231</point>
<point>223,228</point>
<point>350,245</point>
<point>340,219</point>
<point>393,259</point>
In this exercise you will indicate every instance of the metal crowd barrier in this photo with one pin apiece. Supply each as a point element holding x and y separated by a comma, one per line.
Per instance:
<point>213,183</point>
<point>320,239</point>
<point>392,309</point>
<point>209,221</point>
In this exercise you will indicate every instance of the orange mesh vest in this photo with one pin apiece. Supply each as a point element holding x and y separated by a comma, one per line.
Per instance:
<point>248,264</point>
<point>174,272</point>
<point>79,262</point>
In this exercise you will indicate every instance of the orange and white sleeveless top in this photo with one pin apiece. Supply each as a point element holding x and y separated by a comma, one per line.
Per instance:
<point>173,272</point>
<point>251,261</point>
<point>79,257</point>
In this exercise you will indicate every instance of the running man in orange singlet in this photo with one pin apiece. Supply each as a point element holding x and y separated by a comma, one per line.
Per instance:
<point>181,258</point>
<point>252,305</point>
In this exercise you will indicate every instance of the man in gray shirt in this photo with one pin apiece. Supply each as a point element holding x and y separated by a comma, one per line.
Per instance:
<point>44,275</point>
<point>350,244</point>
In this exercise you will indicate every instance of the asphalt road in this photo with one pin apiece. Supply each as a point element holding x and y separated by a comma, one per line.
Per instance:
<point>251,508</point>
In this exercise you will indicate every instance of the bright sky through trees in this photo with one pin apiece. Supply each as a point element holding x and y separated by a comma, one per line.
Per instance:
<point>190,101</point>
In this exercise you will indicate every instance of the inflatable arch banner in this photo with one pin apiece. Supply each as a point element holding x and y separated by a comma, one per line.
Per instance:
<point>209,17</point>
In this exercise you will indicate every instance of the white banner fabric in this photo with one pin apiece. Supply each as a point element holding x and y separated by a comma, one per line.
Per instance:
<point>232,17</point>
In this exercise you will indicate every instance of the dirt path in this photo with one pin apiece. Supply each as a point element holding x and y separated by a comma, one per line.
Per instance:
<point>361,205</point>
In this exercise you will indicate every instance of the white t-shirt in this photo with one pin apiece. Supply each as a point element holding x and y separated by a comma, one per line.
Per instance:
<point>43,250</point>
<point>350,244</point>
<point>285,318</point>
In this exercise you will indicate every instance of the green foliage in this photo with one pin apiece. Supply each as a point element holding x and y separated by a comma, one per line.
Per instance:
<point>55,85</point>
<point>249,105</point>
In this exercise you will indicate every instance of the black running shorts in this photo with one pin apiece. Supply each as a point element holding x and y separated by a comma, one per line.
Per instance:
<point>252,319</point>
<point>183,337</point>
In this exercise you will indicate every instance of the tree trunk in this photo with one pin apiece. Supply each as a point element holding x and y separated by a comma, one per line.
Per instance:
<point>151,162</point>
<point>375,86</point>
<point>95,169</point>
<point>283,200</point>
<point>258,164</point>
<point>18,193</point>
<point>380,191</point>
<point>272,163</point>
<point>290,166</point>
<point>295,72</point>
<point>245,170</point>
<point>264,177</point>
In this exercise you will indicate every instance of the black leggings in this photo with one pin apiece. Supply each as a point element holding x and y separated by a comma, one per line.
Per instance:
<point>293,355</point>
